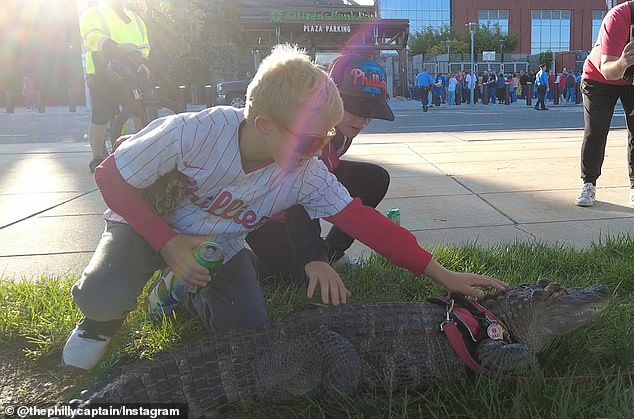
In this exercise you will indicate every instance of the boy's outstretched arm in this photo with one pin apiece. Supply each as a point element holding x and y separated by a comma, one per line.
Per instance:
<point>311,252</point>
<point>400,246</point>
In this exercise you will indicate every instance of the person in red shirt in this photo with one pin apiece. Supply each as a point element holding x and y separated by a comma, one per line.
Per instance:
<point>561,87</point>
<point>606,79</point>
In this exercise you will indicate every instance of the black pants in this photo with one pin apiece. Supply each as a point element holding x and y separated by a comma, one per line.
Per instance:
<point>423,93</point>
<point>501,93</point>
<point>598,108</point>
<point>492,93</point>
<point>105,97</point>
<point>467,95</point>
<point>272,244</point>
<point>541,97</point>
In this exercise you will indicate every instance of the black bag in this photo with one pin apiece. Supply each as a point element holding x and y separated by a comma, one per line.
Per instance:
<point>570,80</point>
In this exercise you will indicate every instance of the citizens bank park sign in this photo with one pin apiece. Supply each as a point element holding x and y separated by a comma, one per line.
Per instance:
<point>323,21</point>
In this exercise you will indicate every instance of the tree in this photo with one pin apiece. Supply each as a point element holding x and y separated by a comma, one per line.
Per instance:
<point>491,38</point>
<point>487,38</point>
<point>546,57</point>
<point>194,41</point>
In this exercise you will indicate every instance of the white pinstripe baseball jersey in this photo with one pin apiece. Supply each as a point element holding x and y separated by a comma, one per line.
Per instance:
<point>222,201</point>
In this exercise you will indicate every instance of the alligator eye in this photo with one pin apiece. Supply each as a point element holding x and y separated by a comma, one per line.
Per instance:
<point>543,282</point>
<point>554,287</point>
<point>540,294</point>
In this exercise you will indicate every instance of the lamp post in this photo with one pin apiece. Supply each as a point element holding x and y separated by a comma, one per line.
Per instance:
<point>472,30</point>
<point>448,43</point>
<point>502,54</point>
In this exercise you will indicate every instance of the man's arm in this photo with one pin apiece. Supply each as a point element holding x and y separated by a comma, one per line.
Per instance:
<point>613,67</point>
<point>617,52</point>
<point>92,31</point>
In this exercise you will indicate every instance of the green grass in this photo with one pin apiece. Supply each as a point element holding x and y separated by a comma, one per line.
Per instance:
<point>41,314</point>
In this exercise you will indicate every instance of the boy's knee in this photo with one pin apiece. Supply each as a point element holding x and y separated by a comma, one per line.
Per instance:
<point>380,185</point>
<point>92,303</point>
<point>384,180</point>
<point>221,309</point>
<point>100,299</point>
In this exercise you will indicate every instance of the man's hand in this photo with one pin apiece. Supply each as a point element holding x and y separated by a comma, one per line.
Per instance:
<point>628,54</point>
<point>177,253</point>
<point>129,47</point>
<point>462,282</point>
<point>330,283</point>
<point>614,67</point>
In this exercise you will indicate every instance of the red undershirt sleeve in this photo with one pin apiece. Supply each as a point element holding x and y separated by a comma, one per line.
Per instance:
<point>128,202</point>
<point>382,235</point>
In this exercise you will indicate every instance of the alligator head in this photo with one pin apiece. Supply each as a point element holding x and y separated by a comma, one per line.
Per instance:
<point>535,315</point>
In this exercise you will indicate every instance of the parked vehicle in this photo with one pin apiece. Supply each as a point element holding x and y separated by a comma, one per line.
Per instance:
<point>232,93</point>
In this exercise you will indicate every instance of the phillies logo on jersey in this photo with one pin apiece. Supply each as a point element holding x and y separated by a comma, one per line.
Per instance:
<point>224,206</point>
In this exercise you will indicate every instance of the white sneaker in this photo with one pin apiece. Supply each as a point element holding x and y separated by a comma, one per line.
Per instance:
<point>345,262</point>
<point>587,195</point>
<point>632,198</point>
<point>341,263</point>
<point>83,350</point>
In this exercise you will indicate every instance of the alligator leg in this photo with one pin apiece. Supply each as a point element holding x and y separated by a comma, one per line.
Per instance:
<point>504,357</point>
<point>321,364</point>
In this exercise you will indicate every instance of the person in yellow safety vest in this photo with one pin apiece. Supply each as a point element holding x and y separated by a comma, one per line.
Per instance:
<point>109,31</point>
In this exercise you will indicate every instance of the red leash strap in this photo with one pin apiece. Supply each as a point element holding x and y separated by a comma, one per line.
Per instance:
<point>450,329</point>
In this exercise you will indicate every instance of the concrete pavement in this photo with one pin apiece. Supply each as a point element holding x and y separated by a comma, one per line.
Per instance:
<point>452,188</point>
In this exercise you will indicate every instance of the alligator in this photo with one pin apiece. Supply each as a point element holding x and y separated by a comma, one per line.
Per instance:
<point>332,353</point>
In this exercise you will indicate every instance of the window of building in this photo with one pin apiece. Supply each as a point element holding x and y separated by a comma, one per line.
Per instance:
<point>494,17</point>
<point>550,30</point>
<point>597,19</point>
<point>421,13</point>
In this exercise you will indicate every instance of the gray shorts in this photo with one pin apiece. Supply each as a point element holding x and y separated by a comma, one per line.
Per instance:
<point>124,262</point>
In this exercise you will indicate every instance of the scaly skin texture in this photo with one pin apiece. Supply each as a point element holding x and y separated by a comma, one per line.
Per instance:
<point>330,352</point>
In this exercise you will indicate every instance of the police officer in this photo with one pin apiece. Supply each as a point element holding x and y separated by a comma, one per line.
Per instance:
<point>541,80</point>
<point>109,31</point>
<point>424,82</point>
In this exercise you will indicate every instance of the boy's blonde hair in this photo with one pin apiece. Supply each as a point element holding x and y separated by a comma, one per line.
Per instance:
<point>289,87</point>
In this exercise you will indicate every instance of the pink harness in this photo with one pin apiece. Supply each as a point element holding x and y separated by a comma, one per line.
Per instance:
<point>467,323</point>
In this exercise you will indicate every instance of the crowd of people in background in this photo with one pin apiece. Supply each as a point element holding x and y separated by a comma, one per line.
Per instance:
<point>491,87</point>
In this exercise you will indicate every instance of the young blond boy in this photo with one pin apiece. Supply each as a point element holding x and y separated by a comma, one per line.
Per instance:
<point>241,166</point>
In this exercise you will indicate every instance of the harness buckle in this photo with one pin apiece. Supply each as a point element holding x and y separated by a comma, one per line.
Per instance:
<point>448,311</point>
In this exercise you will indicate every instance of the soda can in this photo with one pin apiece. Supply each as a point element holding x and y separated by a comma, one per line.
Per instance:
<point>394,214</point>
<point>208,255</point>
